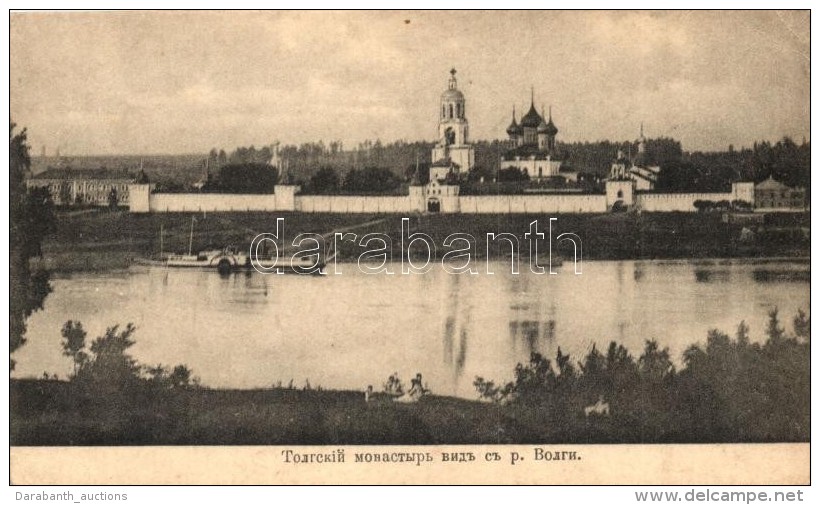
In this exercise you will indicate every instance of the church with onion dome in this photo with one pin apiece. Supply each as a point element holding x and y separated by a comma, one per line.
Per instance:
<point>532,147</point>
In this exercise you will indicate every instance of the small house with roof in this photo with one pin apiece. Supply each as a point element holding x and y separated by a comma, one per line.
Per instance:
<point>771,194</point>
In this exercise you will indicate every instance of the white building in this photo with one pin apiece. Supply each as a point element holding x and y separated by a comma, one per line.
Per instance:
<point>83,187</point>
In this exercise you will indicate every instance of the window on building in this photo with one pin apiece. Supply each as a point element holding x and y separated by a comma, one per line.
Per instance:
<point>451,111</point>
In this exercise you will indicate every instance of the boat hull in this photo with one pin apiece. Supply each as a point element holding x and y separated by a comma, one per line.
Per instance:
<point>232,259</point>
<point>224,265</point>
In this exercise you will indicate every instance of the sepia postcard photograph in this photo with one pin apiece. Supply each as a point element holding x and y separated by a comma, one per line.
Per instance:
<point>409,247</point>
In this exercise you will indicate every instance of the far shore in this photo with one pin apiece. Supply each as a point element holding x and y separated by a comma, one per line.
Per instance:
<point>103,240</point>
<point>65,264</point>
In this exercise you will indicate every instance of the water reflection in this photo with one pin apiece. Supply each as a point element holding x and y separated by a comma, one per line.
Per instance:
<point>781,276</point>
<point>457,322</point>
<point>711,275</point>
<point>638,273</point>
<point>350,330</point>
<point>536,336</point>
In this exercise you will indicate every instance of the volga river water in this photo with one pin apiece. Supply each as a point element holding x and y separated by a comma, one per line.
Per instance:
<point>349,330</point>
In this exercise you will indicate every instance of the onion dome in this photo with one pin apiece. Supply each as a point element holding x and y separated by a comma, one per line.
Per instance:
<point>550,128</point>
<point>532,119</point>
<point>513,129</point>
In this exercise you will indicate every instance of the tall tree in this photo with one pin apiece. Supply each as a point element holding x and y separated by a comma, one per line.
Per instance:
<point>74,343</point>
<point>111,364</point>
<point>655,364</point>
<point>802,325</point>
<point>31,219</point>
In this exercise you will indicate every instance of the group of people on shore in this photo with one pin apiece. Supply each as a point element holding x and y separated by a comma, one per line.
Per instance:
<point>395,388</point>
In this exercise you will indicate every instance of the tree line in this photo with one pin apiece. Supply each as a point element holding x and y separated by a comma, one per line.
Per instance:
<point>239,156</point>
<point>784,160</point>
<point>368,180</point>
<point>328,169</point>
<point>680,170</point>
<point>729,390</point>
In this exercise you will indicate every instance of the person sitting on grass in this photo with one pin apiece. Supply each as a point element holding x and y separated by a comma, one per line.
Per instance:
<point>393,385</point>
<point>417,390</point>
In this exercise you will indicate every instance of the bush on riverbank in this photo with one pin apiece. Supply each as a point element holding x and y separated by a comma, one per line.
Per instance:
<point>104,370</point>
<point>729,390</point>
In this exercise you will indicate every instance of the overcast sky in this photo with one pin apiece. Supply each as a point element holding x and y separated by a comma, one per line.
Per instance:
<point>172,82</point>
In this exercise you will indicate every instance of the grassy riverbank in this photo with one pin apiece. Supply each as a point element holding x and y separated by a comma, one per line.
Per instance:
<point>46,412</point>
<point>99,239</point>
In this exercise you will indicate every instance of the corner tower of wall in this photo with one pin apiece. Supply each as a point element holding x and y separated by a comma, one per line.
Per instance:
<point>744,191</point>
<point>286,196</point>
<point>139,197</point>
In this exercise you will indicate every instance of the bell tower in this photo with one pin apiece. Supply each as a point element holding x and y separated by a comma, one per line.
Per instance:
<point>452,149</point>
<point>452,125</point>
